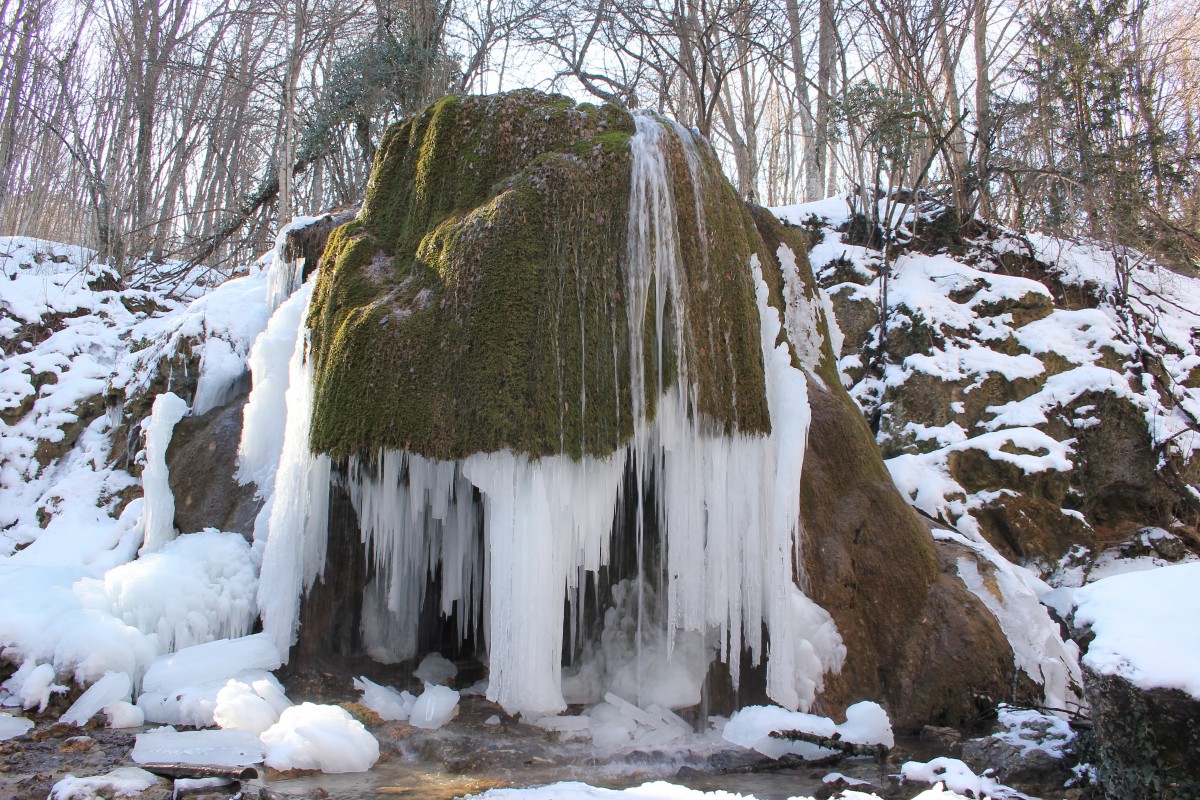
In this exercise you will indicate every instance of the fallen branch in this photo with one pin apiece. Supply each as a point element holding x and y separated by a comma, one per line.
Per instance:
<point>877,751</point>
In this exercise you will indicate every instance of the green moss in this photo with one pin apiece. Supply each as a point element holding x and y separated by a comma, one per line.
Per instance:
<point>478,302</point>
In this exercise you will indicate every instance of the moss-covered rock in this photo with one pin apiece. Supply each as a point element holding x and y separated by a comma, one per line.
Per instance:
<point>478,303</point>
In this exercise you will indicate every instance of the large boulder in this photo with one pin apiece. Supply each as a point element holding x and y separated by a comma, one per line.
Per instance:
<point>1146,739</point>
<point>478,304</point>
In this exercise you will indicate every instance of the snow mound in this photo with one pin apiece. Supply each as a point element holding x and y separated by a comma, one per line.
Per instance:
<point>253,705</point>
<point>310,736</point>
<point>957,777</point>
<point>751,727</point>
<point>1145,627</point>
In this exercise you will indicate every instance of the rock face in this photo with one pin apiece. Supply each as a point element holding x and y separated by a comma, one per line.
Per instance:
<point>202,460</point>
<point>1019,370</point>
<point>1147,740</point>
<point>479,304</point>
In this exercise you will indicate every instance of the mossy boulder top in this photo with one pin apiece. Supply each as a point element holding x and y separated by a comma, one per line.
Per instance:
<point>478,302</point>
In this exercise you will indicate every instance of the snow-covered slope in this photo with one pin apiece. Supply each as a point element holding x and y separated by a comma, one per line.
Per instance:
<point>1038,392</point>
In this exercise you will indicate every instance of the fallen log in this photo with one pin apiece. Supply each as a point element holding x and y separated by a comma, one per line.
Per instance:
<point>201,771</point>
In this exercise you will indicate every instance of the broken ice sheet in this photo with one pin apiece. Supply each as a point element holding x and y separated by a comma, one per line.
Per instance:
<point>223,748</point>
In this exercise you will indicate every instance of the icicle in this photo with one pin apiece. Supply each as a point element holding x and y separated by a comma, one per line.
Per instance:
<point>158,517</point>
<point>296,523</point>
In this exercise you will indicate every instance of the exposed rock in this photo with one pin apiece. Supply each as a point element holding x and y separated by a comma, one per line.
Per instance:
<point>917,638</point>
<point>202,459</point>
<point>1031,769</point>
<point>1146,740</point>
<point>948,740</point>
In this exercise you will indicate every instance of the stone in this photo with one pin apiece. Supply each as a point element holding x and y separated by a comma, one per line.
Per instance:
<point>1147,740</point>
<point>202,459</point>
<point>1031,769</point>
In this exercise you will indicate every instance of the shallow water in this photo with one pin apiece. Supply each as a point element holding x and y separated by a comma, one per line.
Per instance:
<point>468,756</point>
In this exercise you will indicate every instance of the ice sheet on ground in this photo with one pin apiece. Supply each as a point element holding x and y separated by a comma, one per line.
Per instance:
<point>436,706</point>
<point>751,727</point>
<point>121,782</point>
<point>213,661</point>
<point>1145,627</point>
<point>224,748</point>
<point>11,726</point>
<point>327,738</point>
<point>114,687</point>
<point>388,703</point>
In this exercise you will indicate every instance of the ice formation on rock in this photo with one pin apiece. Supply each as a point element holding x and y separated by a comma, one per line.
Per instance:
<point>511,538</point>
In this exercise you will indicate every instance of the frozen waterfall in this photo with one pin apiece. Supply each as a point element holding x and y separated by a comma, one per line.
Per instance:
<point>519,547</point>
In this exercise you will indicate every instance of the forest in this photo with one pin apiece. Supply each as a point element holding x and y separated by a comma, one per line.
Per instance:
<point>189,131</point>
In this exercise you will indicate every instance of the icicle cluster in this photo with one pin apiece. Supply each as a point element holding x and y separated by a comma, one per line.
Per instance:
<point>726,510</point>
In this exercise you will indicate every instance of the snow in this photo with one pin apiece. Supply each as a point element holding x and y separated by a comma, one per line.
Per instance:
<point>434,708</point>
<point>327,738</point>
<point>1030,730</point>
<point>11,727</point>
<point>114,687</point>
<point>957,777</point>
<point>751,727</point>
<point>1145,628</point>
<point>385,701</point>
<point>219,748</point>
<point>121,782</point>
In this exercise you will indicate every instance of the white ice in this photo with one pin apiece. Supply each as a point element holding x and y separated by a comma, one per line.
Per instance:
<point>114,687</point>
<point>121,782</point>
<point>221,748</point>
<point>388,703</point>
<point>11,727</point>
<point>327,738</point>
<point>435,706</point>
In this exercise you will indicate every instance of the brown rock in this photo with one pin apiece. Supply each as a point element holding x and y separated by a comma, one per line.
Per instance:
<point>917,639</point>
<point>202,460</point>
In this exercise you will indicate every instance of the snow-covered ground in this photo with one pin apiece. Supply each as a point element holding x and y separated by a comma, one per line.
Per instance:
<point>97,589</point>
